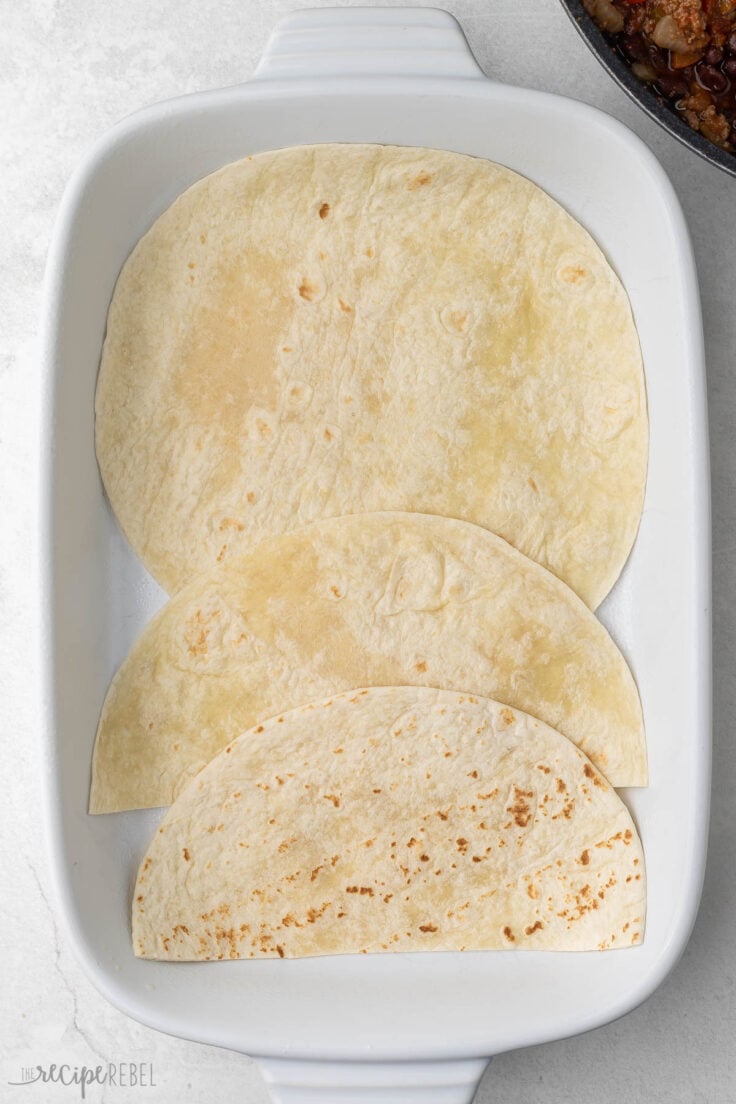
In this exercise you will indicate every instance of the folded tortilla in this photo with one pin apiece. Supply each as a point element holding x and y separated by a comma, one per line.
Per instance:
<point>330,329</point>
<point>392,819</point>
<point>372,599</point>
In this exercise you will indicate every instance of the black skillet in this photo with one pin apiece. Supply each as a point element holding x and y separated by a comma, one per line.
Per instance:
<point>654,105</point>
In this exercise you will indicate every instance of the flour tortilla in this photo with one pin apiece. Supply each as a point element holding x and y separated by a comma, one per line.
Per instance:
<point>330,329</point>
<point>392,819</point>
<point>373,599</point>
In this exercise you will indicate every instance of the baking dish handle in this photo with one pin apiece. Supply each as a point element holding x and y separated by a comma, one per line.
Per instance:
<point>293,1082</point>
<point>401,42</point>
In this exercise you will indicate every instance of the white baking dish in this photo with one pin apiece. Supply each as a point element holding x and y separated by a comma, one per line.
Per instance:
<point>402,1027</point>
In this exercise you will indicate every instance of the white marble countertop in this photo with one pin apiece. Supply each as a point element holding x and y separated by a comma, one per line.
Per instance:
<point>70,70</point>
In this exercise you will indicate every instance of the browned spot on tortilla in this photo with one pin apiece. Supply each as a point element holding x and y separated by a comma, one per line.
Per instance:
<point>507,717</point>
<point>421,667</point>
<point>585,857</point>
<point>419,180</point>
<point>520,809</point>
<point>231,523</point>
<point>250,497</point>
<point>336,591</point>
<point>533,485</point>
<point>307,290</point>
<point>286,349</point>
<point>573,274</point>
<point>364,891</point>
<point>280,950</point>
<point>424,858</point>
<point>185,853</point>
<point>534,927</point>
<point>221,553</point>
<point>369,252</point>
<point>590,773</point>
<point>472,774</point>
<point>532,891</point>
<point>427,928</point>
<point>196,631</point>
<point>314,914</point>
<point>612,839</point>
<point>344,306</point>
<point>462,845</point>
<point>561,787</point>
<point>324,210</point>
<point>509,934</point>
<point>455,320</point>
<point>203,239</point>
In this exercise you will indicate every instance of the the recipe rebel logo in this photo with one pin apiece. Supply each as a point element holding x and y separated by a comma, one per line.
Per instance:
<point>120,1075</point>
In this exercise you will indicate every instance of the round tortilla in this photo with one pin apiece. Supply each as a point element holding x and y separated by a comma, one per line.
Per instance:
<point>329,329</point>
<point>373,599</point>
<point>392,819</point>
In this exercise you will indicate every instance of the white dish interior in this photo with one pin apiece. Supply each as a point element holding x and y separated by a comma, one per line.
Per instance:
<point>99,596</point>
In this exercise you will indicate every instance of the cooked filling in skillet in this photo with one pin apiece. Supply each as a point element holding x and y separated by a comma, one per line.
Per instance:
<point>684,49</point>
